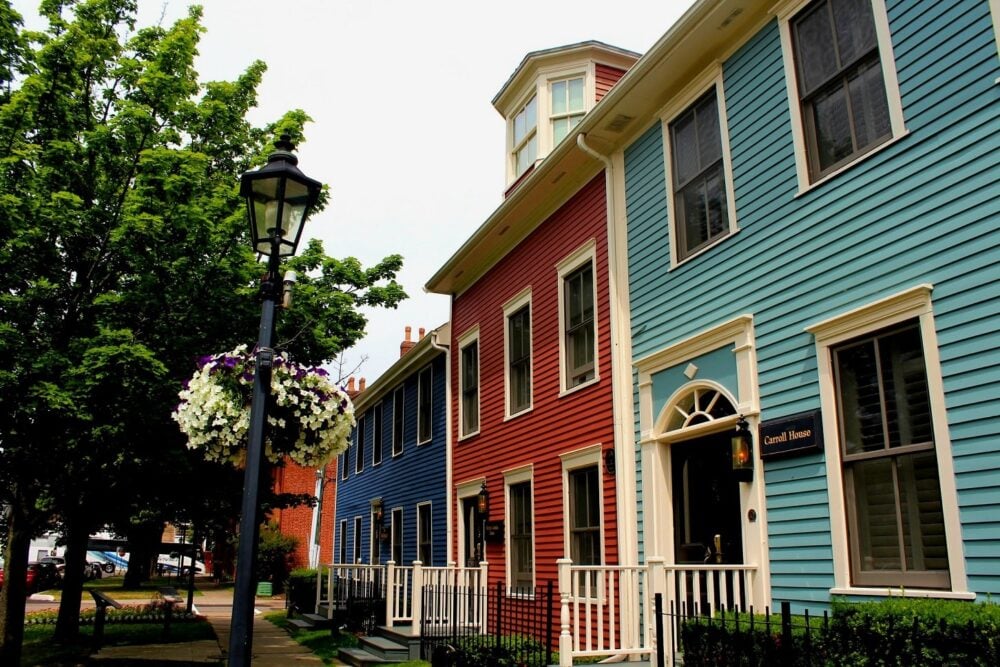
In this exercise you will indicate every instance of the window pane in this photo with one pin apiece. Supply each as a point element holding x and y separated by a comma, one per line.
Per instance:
<point>526,156</point>
<point>907,404</point>
<point>685,149</point>
<point>559,98</point>
<point>576,95</point>
<point>470,388</point>
<point>531,113</point>
<point>922,516</point>
<point>694,212</point>
<point>584,517</point>
<point>709,137</point>
<point>815,54</point>
<point>833,127</point>
<point>860,401</point>
<point>425,402</point>
<point>377,437</point>
<point>869,106</point>
<point>875,505</point>
<point>560,128</point>
<point>855,28</point>
<point>521,548</point>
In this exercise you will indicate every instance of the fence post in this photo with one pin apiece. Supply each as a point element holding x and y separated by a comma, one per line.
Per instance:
<point>483,590</point>
<point>390,593</point>
<point>499,612</point>
<point>565,594</point>
<point>548,623</point>
<point>787,654</point>
<point>660,644</point>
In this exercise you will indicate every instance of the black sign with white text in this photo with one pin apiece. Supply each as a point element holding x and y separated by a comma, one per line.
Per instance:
<point>792,435</point>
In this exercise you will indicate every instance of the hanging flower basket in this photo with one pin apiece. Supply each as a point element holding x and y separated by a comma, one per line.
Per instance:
<point>309,417</point>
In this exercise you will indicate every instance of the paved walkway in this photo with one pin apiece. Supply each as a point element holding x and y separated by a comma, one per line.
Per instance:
<point>272,646</point>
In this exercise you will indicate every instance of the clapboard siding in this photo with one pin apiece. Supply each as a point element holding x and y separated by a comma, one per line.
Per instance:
<point>924,209</point>
<point>416,476</point>
<point>555,424</point>
<point>605,78</point>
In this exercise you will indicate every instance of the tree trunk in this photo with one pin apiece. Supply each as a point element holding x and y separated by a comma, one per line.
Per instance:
<point>77,533</point>
<point>14,588</point>
<point>143,545</point>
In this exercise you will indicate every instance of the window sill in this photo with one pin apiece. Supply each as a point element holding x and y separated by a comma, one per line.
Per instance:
<point>521,413</point>
<point>679,263</point>
<point>425,442</point>
<point>468,436</point>
<point>861,158</point>
<point>905,592</point>
<point>582,385</point>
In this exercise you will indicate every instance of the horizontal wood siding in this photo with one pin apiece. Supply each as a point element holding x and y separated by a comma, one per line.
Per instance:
<point>924,209</point>
<point>416,476</point>
<point>555,424</point>
<point>606,77</point>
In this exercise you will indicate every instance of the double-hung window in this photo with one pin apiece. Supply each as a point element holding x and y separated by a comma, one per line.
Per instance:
<point>846,97</point>
<point>517,353</point>
<point>524,137</point>
<point>425,537</point>
<point>357,539</point>
<point>469,381</point>
<point>585,516</point>
<point>521,546</point>
<point>425,406</point>
<point>397,535</point>
<point>896,524</point>
<point>359,458</point>
<point>698,177</point>
<point>578,312</point>
<point>377,436</point>
<point>342,542</point>
<point>397,421</point>
<point>566,107</point>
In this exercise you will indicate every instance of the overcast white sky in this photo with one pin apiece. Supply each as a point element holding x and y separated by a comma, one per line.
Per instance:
<point>403,133</point>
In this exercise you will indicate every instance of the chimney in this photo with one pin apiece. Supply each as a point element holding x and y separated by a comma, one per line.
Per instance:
<point>407,344</point>
<point>361,385</point>
<point>421,337</point>
<point>350,386</point>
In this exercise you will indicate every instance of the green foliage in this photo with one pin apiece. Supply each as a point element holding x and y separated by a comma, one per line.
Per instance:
<point>300,593</point>
<point>323,643</point>
<point>274,555</point>
<point>896,631</point>
<point>491,651</point>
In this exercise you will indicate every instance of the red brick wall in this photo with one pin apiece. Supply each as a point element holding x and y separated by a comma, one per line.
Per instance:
<point>297,521</point>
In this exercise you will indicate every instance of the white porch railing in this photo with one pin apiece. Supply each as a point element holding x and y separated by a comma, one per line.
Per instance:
<point>344,580</point>
<point>405,595</point>
<point>607,610</point>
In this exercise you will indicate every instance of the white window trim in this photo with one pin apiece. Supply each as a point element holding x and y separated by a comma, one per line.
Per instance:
<point>510,478</point>
<point>710,78</point>
<point>378,418</point>
<point>589,93</point>
<point>419,534</point>
<point>359,456</point>
<point>513,305</point>
<point>392,534</point>
<point>574,460</point>
<point>399,391</point>
<point>466,339</point>
<point>427,369</point>
<point>913,303</point>
<point>785,12</point>
<point>464,491</point>
<point>995,13</point>
<point>512,149</point>
<point>342,545</point>
<point>576,259</point>
<point>358,530</point>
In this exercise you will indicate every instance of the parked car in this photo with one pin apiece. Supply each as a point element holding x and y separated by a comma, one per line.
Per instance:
<point>40,577</point>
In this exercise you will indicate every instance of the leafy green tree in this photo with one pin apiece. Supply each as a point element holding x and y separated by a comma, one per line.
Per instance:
<point>124,252</point>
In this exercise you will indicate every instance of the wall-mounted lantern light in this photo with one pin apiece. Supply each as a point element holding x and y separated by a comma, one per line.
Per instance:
<point>483,502</point>
<point>743,451</point>
<point>609,461</point>
<point>378,513</point>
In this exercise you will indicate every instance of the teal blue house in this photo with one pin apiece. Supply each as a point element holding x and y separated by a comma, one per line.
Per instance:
<point>806,214</point>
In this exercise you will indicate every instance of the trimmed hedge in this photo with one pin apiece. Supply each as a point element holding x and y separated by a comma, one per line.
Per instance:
<point>300,595</point>
<point>911,632</point>
<point>147,613</point>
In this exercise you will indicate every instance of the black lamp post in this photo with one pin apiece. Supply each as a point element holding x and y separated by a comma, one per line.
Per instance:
<point>279,199</point>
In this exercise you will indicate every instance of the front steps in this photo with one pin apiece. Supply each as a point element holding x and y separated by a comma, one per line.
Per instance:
<point>389,646</point>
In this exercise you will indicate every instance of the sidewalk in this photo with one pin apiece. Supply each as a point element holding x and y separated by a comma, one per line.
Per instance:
<point>272,646</point>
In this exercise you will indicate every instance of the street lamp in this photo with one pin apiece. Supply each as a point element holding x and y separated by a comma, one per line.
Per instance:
<point>279,199</point>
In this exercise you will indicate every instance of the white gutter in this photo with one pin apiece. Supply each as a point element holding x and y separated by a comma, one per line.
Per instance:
<point>447,430</point>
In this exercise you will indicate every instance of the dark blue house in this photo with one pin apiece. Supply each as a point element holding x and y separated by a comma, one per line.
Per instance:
<point>392,480</point>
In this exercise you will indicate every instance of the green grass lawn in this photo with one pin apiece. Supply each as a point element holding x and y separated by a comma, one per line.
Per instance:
<point>40,649</point>
<point>321,642</point>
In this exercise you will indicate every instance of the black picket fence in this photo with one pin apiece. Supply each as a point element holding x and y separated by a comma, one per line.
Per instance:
<point>695,636</point>
<point>466,627</point>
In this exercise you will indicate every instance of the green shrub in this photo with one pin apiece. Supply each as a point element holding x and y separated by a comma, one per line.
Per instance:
<point>486,651</point>
<point>274,555</point>
<point>300,595</point>
<point>913,632</point>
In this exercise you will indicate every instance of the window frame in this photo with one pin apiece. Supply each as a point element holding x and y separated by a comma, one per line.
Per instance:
<point>398,420</point>
<point>344,461</point>
<point>515,478</point>
<point>425,405</point>
<point>429,542</point>
<point>517,145</point>
<point>911,304</point>
<point>359,449</point>
<point>703,85</point>
<point>342,546</point>
<point>378,433</point>
<point>467,340</point>
<point>569,113</point>
<point>374,544</point>
<point>565,269</point>
<point>787,12</point>
<point>358,532</point>
<point>587,457</point>
<point>396,534</point>
<point>516,306</point>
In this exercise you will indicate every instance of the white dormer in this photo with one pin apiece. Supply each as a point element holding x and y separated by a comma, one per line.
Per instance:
<point>549,93</point>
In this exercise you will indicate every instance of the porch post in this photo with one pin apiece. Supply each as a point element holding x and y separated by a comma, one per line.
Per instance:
<point>657,579</point>
<point>417,598</point>
<point>483,585</point>
<point>319,588</point>
<point>390,592</point>
<point>565,593</point>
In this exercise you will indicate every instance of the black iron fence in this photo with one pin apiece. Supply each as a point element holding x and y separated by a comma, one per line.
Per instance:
<point>692,635</point>
<point>462,627</point>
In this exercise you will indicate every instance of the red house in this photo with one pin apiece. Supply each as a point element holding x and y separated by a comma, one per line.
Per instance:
<point>532,335</point>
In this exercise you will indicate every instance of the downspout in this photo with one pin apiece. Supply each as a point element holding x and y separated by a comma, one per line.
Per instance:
<point>447,438</point>
<point>621,364</point>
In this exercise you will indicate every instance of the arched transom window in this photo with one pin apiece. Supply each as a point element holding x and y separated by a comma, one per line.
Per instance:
<point>699,405</point>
